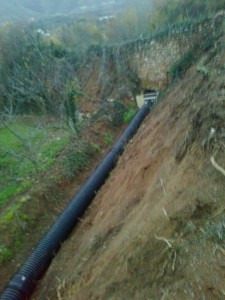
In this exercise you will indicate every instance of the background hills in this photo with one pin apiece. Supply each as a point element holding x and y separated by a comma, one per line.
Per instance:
<point>25,9</point>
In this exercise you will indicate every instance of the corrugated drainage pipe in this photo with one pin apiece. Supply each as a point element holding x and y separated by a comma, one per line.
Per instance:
<point>23,282</point>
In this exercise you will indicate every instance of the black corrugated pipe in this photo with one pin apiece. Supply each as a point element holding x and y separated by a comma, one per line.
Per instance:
<point>23,282</point>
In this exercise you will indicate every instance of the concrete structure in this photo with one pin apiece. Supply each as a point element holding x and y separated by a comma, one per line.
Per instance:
<point>146,96</point>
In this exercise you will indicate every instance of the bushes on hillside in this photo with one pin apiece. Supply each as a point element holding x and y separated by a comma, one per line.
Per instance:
<point>176,11</point>
<point>179,68</point>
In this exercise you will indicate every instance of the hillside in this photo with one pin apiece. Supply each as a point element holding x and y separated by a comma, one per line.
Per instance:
<point>68,87</point>
<point>156,229</point>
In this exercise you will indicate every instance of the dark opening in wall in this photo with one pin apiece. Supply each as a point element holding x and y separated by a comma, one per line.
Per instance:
<point>150,96</point>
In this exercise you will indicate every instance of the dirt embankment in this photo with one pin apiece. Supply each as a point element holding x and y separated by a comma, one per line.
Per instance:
<point>156,229</point>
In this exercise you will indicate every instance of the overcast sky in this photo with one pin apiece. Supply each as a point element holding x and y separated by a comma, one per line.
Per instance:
<point>19,9</point>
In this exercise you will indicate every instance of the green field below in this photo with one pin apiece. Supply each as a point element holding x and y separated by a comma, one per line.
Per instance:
<point>26,150</point>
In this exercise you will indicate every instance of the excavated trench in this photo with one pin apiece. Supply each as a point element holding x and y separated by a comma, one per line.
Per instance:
<point>23,282</point>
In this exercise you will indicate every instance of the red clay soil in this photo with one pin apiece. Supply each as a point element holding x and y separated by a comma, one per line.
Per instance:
<point>156,229</point>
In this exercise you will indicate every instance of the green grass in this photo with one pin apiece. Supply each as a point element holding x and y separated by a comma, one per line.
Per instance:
<point>78,159</point>
<point>96,147</point>
<point>215,231</point>
<point>8,192</point>
<point>108,138</point>
<point>5,254</point>
<point>51,150</point>
<point>129,115</point>
<point>21,162</point>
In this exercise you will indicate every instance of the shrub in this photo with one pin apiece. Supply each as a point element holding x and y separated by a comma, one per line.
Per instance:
<point>128,115</point>
<point>77,160</point>
<point>5,254</point>
<point>96,147</point>
<point>180,67</point>
<point>108,139</point>
<point>117,114</point>
<point>216,231</point>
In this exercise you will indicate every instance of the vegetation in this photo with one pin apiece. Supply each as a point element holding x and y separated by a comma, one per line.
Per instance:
<point>215,231</point>
<point>78,159</point>
<point>25,152</point>
<point>40,78</point>
<point>5,254</point>
<point>108,139</point>
<point>169,12</point>
<point>179,68</point>
<point>39,67</point>
<point>35,71</point>
<point>128,116</point>
<point>43,67</point>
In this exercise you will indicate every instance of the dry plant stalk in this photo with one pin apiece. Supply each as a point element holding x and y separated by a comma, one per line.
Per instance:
<point>164,190</point>
<point>174,261</point>
<point>216,166</point>
<point>60,288</point>
<point>161,238</point>
<point>165,214</point>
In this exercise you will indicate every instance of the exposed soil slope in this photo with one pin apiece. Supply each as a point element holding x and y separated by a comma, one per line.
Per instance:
<point>156,229</point>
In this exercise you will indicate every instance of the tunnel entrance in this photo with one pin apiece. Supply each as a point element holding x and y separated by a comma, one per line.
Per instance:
<point>147,95</point>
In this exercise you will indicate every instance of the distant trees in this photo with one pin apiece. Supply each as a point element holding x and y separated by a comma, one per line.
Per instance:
<point>80,35</point>
<point>37,69</point>
<point>33,73</point>
<point>126,27</point>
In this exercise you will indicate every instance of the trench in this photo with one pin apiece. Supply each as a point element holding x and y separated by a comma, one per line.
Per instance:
<point>23,282</point>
